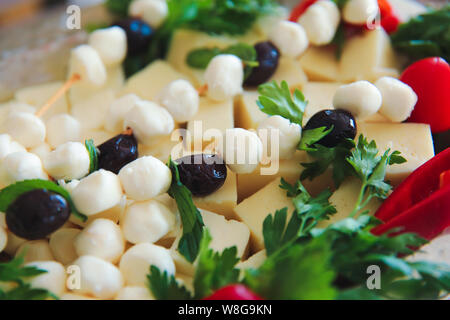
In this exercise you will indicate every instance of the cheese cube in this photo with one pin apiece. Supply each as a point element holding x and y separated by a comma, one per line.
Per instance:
<point>38,95</point>
<point>91,112</point>
<point>253,210</point>
<point>149,82</point>
<point>319,96</point>
<point>320,64</point>
<point>291,71</point>
<point>253,262</point>
<point>224,233</point>
<point>364,54</point>
<point>248,115</point>
<point>344,199</point>
<point>223,200</point>
<point>289,169</point>
<point>162,149</point>
<point>212,117</point>
<point>413,140</point>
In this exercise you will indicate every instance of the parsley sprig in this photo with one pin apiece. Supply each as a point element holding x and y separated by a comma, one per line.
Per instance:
<point>93,155</point>
<point>14,271</point>
<point>191,218</point>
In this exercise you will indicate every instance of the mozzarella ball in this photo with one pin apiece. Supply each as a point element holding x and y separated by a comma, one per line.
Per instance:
<point>3,238</point>
<point>26,128</point>
<point>71,296</point>
<point>290,38</point>
<point>321,21</point>
<point>289,135</point>
<point>62,245</point>
<point>147,221</point>
<point>154,12</point>
<point>42,151</point>
<point>98,192</point>
<point>360,11</point>
<point>19,166</point>
<point>68,161</point>
<point>102,238</point>
<point>98,277</point>
<point>14,242</point>
<point>398,98</point>
<point>7,145</point>
<point>241,150</point>
<point>54,280</point>
<point>148,121</point>
<point>63,128</point>
<point>111,45</point>
<point>117,111</point>
<point>145,178</point>
<point>86,61</point>
<point>35,250</point>
<point>136,261</point>
<point>135,293</point>
<point>224,76</point>
<point>360,98</point>
<point>181,100</point>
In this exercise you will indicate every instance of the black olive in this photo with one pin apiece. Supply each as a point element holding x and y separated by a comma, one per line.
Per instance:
<point>202,174</point>
<point>36,214</point>
<point>117,152</point>
<point>344,126</point>
<point>268,56</point>
<point>139,34</point>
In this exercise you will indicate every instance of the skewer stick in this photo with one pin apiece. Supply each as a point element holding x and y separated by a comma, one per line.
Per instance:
<point>69,83</point>
<point>202,90</point>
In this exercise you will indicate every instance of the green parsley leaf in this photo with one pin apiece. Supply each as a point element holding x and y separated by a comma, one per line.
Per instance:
<point>311,136</point>
<point>191,218</point>
<point>275,235</point>
<point>299,271</point>
<point>118,7</point>
<point>165,287</point>
<point>277,100</point>
<point>339,40</point>
<point>326,157</point>
<point>200,58</point>
<point>9,194</point>
<point>340,3</point>
<point>93,155</point>
<point>14,271</point>
<point>214,270</point>
<point>427,35</point>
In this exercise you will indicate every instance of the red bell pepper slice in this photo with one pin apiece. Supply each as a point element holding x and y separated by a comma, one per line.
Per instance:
<point>418,204</point>
<point>445,179</point>
<point>233,292</point>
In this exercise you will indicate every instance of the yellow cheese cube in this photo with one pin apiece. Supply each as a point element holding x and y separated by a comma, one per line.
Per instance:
<point>253,262</point>
<point>413,140</point>
<point>320,64</point>
<point>224,233</point>
<point>162,149</point>
<point>364,54</point>
<point>212,118</point>
<point>289,169</point>
<point>344,199</point>
<point>247,113</point>
<point>291,71</point>
<point>149,82</point>
<point>253,210</point>
<point>319,96</point>
<point>224,200</point>
<point>38,95</point>
<point>91,112</point>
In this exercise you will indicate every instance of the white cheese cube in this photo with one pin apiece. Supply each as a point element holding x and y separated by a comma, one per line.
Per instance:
<point>361,98</point>
<point>399,99</point>
<point>147,221</point>
<point>136,261</point>
<point>224,76</point>
<point>145,178</point>
<point>290,38</point>
<point>148,121</point>
<point>54,280</point>
<point>63,128</point>
<point>68,161</point>
<point>103,239</point>
<point>98,277</point>
<point>110,43</point>
<point>26,128</point>
<point>97,192</point>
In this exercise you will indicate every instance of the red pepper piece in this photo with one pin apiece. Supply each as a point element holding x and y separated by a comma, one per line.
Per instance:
<point>234,292</point>
<point>418,204</point>
<point>390,22</point>
<point>300,9</point>
<point>444,179</point>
